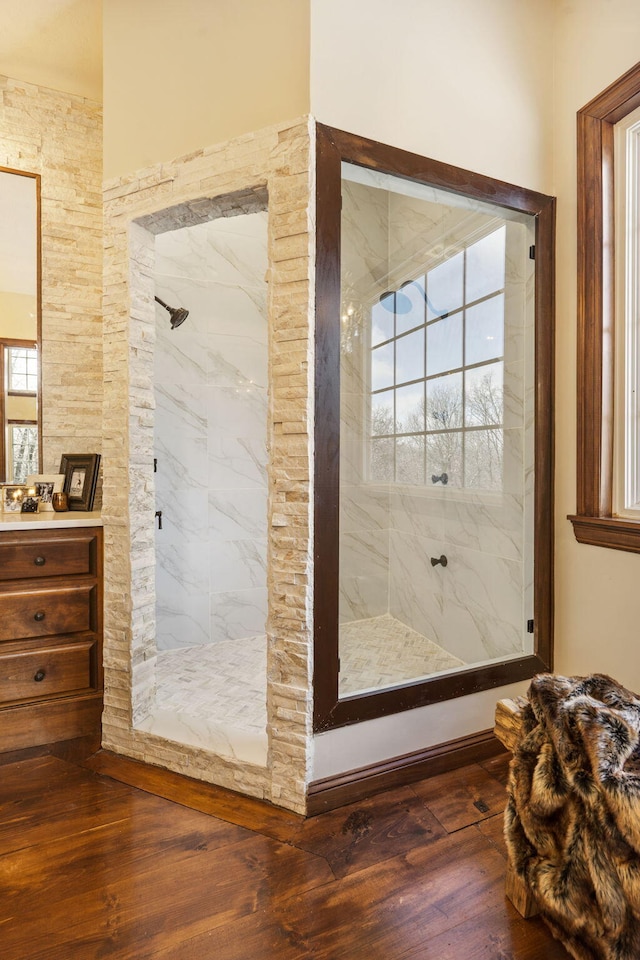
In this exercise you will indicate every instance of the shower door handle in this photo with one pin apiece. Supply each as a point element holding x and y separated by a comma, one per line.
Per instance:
<point>159,518</point>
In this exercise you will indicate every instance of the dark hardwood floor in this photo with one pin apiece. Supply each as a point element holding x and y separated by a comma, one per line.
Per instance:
<point>108,858</point>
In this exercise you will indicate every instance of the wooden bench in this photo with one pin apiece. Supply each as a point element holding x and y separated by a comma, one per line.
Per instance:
<point>508,723</point>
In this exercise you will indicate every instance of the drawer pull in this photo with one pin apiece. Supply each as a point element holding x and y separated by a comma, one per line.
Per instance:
<point>40,561</point>
<point>40,675</point>
<point>39,616</point>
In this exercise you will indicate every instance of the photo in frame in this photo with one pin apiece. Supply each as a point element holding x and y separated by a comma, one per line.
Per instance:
<point>45,486</point>
<point>12,496</point>
<point>80,478</point>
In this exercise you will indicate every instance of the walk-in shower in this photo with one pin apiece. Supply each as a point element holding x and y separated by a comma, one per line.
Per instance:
<point>210,384</point>
<point>431,319</point>
<point>436,378</point>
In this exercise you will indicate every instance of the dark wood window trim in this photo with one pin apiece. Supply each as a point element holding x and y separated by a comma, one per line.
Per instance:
<point>330,711</point>
<point>594,522</point>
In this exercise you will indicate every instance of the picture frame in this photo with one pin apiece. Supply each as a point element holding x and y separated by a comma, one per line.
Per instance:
<point>80,478</point>
<point>12,496</point>
<point>46,484</point>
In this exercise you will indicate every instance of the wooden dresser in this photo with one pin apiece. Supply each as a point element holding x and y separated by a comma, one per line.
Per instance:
<point>50,635</point>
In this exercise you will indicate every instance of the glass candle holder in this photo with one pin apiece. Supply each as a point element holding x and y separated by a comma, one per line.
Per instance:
<point>60,502</point>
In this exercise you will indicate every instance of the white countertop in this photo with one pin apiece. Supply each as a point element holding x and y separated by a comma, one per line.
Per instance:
<point>48,520</point>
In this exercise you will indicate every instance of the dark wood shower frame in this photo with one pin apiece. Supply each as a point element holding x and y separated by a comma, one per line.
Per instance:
<point>334,146</point>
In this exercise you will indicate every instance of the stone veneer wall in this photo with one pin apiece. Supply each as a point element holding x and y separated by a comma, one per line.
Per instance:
<point>237,176</point>
<point>59,136</point>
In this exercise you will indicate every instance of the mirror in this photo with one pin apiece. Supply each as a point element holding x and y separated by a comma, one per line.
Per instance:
<point>19,325</point>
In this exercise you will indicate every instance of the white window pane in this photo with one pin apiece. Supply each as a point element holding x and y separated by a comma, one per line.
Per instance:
<point>410,305</point>
<point>485,266</point>
<point>382,367</point>
<point>444,402</point>
<point>382,320</point>
<point>381,465</point>
<point>444,455</point>
<point>444,287</point>
<point>24,451</point>
<point>382,421</point>
<point>483,459</point>
<point>484,330</point>
<point>410,460</point>
<point>23,369</point>
<point>483,402</point>
<point>410,357</point>
<point>444,345</point>
<point>410,409</point>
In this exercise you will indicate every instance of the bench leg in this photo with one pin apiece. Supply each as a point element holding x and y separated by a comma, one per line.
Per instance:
<point>519,895</point>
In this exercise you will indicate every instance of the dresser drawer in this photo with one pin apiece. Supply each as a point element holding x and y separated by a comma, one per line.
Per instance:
<point>37,674</point>
<point>43,556</point>
<point>42,613</point>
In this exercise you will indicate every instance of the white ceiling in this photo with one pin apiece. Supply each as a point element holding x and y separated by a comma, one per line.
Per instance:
<point>53,43</point>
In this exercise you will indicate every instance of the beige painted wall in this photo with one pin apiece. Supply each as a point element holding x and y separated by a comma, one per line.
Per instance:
<point>18,316</point>
<point>53,43</point>
<point>183,74</point>
<point>464,81</point>
<point>597,596</point>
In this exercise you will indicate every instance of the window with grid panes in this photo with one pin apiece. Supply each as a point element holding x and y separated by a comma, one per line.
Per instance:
<point>436,373</point>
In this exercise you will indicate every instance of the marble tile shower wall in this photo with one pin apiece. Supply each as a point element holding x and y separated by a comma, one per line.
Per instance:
<point>210,433</point>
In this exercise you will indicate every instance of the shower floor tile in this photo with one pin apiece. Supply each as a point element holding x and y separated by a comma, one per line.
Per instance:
<point>214,696</point>
<point>383,651</point>
<point>224,681</point>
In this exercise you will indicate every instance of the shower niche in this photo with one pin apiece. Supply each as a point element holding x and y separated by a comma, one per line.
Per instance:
<point>434,365</point>
<point>210,472</point>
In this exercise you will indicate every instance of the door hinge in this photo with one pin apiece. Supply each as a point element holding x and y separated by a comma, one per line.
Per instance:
<point>532,252</point>
<point>338,664</point>
<point>529,626</point>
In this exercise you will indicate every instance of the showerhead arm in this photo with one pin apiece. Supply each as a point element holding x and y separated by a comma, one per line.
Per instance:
<point>177,314</point>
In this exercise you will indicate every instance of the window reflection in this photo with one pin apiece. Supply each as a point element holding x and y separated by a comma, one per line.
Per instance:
<point>382,314</point>
<point>382,366</point>
<point>426,466</point>
<point>443,369</point>
<point>484,330</point>
<point>485,266</point>
<point>410,305</point>
<point>445,287</point>
<point>410,357</point>
<point>444,344</point>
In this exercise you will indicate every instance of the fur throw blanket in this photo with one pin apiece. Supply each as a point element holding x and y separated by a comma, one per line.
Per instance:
<point>572,822</point>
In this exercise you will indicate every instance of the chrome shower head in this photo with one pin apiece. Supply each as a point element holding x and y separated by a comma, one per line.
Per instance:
<point>177,314</point>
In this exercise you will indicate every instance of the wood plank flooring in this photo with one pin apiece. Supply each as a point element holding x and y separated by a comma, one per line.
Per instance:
<point>107,859</point>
